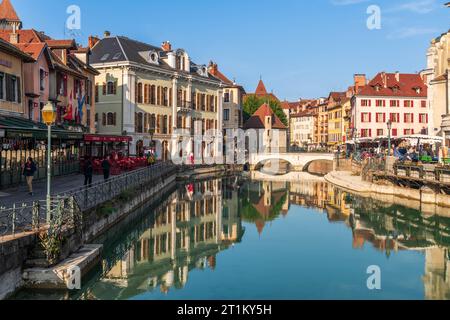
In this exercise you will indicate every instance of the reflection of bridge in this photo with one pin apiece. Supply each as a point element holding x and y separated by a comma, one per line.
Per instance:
<point>298,161</point>
<point>290,177</point>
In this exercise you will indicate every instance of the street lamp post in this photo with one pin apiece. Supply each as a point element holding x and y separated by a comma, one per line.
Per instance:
<point>389,126</point>
<point>49,117</point>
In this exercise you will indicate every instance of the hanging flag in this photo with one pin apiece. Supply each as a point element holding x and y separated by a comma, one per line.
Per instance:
<point>69,110</point>
<point>81,102</point>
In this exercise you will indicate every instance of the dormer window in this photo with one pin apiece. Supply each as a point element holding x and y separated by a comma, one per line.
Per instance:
<point>418,90</point>
<point>377,88</point>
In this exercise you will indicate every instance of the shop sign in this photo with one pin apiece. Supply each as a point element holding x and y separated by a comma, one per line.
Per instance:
<point>93,138</point>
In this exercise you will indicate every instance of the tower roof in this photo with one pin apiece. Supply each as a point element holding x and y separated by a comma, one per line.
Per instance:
<point>7,11</point>
<point>261,89</point>
<point>257,120</point>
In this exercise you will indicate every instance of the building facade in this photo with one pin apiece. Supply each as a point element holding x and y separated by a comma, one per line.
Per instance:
<point>438,80</point>
<point>233,98</point>
<point>12,66</point>
<point>400,98</point>
<point>270,133</point>
<point>338,106</point>
<point>302,129</point>
<point>148,92</point>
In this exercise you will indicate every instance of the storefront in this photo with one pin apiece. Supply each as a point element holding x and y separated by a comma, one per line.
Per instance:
<point>21,138</point>
<point>99,146</point>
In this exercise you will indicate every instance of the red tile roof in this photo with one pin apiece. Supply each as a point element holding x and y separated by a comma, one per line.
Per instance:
<point>33,49</point>
<point>388,85</point>
<point>257,120</point>
<point>7,11</point>
<point>61,44</point>
<point>261,89</point>
<point>25,36</point>
<point>302,114</point>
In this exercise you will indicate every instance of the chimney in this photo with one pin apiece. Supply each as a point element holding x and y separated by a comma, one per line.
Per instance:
<point>93,41</point>
<point>384,79</point>
<point>106,34</point>
<point>213,68</point>
<point>397,76</point>
<point>360,81</point>
<point>14,38</point>
<point>166,46</point>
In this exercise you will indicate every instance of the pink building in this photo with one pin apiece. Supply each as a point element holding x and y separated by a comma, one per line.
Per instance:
<point>401,98</point>
<point>36,80</point>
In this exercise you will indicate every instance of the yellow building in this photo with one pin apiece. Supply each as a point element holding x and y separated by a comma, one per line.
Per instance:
<point>338,107</point>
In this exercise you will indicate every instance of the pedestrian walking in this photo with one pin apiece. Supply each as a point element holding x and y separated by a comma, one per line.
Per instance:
<point>88,172</point>
<point>106,166</point>
<point>29,170</point>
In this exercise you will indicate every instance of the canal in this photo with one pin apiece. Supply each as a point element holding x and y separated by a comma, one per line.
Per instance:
<point>241,239</point>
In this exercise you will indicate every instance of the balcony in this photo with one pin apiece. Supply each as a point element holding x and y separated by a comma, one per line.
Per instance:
<point>184,107</point>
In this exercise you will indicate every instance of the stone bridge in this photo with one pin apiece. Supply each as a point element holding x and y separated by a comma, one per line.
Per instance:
<point>298,161</point>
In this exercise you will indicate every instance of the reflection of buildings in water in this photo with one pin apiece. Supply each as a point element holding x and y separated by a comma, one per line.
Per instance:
<point>404,229</point>
<point>231,219</point>
<point>309,193</point>
<point>265,201</point>
<point>437,274</point>
<point>186,234</point>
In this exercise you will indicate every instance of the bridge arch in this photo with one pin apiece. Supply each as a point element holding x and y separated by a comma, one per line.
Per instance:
<point>298,161</point>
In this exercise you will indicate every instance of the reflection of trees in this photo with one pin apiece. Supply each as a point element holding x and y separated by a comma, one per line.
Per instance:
<point>263,202</point>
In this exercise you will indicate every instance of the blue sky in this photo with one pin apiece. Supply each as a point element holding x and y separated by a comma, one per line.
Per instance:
<point>300,48</point>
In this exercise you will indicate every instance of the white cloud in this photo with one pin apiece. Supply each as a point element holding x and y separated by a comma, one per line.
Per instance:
<point>411,32</point>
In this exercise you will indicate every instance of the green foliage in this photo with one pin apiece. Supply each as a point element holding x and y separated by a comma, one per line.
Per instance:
<point>126,196</point>
<point>106,209</point>
<point>252,103</point>
<point>51,243</point>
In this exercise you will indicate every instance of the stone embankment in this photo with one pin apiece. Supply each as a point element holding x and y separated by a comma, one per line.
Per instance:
<point>424,199</point>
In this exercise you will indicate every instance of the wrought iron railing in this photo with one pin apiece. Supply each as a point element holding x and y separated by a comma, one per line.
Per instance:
<point>91,196</point>
<point>30,216</point>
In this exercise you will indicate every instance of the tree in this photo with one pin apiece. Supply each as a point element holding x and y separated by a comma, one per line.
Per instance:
<point>253,103</point>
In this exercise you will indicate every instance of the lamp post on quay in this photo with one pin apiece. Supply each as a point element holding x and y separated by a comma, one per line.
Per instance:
<point>49,117</point>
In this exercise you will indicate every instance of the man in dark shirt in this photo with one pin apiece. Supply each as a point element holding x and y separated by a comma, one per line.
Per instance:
<point>88,172</point>
<point>106,166</point>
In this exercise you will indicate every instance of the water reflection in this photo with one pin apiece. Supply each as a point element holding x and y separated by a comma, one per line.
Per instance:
<point>388,228</point>
<point>160,254</point>
<point>186,232</point>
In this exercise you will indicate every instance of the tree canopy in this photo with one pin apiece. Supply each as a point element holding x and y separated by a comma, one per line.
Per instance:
<point>252,103</point>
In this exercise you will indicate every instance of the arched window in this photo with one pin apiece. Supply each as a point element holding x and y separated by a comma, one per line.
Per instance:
<point>165,97</point>
<point>146,92</point>
<point>153,94</point>
<point>139,117</point>
<point>111,87</point>
<point>165,125</point>
<point>153,122</point>
<point>110,119</point>
<point>158,102</point>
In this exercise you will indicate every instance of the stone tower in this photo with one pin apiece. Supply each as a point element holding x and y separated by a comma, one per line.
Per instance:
<point>9,20</point>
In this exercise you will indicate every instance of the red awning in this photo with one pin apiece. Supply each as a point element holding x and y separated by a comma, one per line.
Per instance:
<point>102,138</point>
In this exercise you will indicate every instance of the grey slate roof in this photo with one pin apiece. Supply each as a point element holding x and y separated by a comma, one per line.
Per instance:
<point>122,49</point>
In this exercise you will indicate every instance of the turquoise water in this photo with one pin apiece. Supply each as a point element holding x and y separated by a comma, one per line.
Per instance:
<point>238,239</point>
